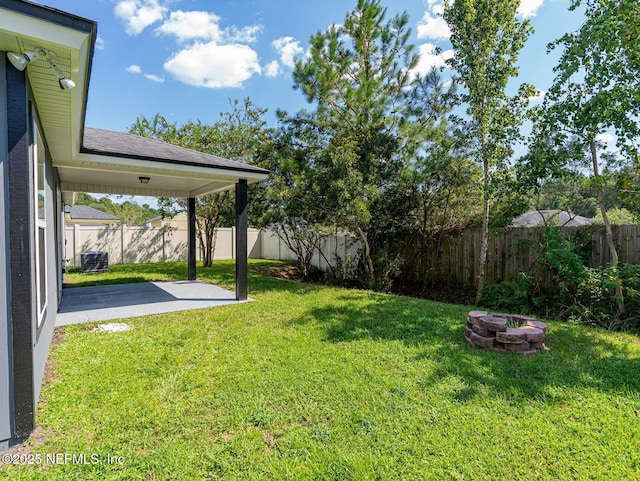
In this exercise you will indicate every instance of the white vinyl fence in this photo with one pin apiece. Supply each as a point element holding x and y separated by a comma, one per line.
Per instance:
<point>130,245</point>
<point>334,250</point>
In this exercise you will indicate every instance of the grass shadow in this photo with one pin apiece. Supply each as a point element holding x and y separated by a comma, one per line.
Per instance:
<point>578,356</point>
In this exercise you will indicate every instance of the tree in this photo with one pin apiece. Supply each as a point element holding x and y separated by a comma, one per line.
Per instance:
<point>284,201</point>
<point>237,136</point>
<point>596,90</point>
<point>129,212</point>
<point>487,37</point>
<point>359,77</point>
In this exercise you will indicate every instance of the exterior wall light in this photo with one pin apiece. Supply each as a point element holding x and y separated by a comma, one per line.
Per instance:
<point>18,60</point>
<point>65,83</point>
<point>21,60</point>
<point>144,179</point>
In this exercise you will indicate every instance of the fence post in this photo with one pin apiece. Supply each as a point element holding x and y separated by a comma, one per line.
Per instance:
<point>122,244</point>
<point>164,242</point>
<point>261,236</point>
<point>76,235</point>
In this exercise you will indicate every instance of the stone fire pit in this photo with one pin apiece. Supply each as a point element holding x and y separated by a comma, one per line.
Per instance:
<point>505,332</point>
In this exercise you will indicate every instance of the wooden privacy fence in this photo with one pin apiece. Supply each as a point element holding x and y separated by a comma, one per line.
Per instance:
<point>456,260</point>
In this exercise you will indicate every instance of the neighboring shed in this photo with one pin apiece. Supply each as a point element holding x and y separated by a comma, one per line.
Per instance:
<point>562,218</point>
<point>85,215</point>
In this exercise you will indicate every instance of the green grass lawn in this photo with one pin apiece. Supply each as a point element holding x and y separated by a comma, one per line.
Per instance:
<point>312,383</point>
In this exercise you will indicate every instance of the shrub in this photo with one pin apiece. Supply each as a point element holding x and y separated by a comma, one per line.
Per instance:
<point>577,292</point>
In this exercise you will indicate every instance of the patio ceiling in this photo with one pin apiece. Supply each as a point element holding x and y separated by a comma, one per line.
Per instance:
<point>94,160</point>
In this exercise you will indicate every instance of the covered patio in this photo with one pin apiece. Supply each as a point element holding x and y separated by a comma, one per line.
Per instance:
<point>125,164</point>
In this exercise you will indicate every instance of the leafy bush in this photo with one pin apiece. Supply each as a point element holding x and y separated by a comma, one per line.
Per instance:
<point>577,292</point>
<point>511,295</point>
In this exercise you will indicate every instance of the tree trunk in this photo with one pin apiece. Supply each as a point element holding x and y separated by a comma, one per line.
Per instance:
<point>368,262</point>
<point>200,238</point>
<point>485,232</point>
<point>208,256</point>
<point>607,224</point>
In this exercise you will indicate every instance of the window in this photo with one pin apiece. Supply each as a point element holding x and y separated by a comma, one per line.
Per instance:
<point>40,205</point>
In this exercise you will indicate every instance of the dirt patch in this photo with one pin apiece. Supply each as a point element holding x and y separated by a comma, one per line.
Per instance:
<point>38,437</point>
<point>286,271</point>
<point>270,440</point>
<point>50,370</point>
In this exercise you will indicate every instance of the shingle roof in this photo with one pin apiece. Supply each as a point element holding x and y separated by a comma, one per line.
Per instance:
<point>86,212</point>
<point>120,144</point>
<point>152,220</point>
<point>537,218</point>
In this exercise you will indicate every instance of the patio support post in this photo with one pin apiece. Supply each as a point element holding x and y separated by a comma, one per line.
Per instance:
<point>191,221</point>
<point>241,240</point>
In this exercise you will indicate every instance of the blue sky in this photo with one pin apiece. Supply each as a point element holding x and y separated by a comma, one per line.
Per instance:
<point>186,58</point>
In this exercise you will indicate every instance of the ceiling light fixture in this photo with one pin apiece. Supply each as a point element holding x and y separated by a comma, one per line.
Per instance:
<point>144,179</point>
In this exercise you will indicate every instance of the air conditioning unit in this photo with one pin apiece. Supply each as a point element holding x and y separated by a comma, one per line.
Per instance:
<point>94,261</point>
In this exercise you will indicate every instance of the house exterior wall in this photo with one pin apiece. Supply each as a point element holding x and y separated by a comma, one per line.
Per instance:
<point>5,325</point>
<point>26,324</point>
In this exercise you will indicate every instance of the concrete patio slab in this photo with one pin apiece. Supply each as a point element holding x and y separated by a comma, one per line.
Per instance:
<point>121,301</point>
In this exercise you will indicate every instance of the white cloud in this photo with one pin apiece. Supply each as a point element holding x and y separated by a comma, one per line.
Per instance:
<point>243,35</point>
<point>191,25</point>
<point>139,14</point>
<point>538,96</point>
<point>154,78</point>
<point>429,59</point>
<point>208,56</point>
<point>433,25</point>
<point>272,69</point>
<point>288,48</point>
<point>214,66</point>
<point>529,8</point>
<point>606,138</point>
<point>136,69</point>
<point>205,26</point>
<point>99,43</point>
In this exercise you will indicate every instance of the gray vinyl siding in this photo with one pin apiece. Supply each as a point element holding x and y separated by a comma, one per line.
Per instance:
<point>5,318</point>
